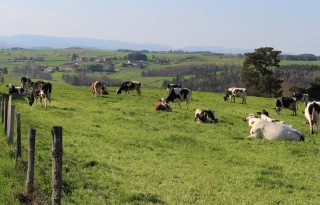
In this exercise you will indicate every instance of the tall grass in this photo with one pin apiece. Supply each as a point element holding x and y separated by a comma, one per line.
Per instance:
<point>118,150</point>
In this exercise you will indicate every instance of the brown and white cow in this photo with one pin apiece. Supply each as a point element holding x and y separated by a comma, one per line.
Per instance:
<point>40,89</point>
<point>96,88</point>
<point>162,105</point>
<point>130,85</point>
<point>233,92</point>
<point>178,95</point>
<point>272,131</point>
<point>26,82</point>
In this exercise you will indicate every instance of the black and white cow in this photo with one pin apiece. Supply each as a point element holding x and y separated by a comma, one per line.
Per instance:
<point>205,116</point>
<point>17,90</point>
<point>286,102</point>
<point>301,97</point>
<point>312,115</point>
<point>43,90</point>
<point>26,82</point>
<point>233,92</point>
<point>130,85</point>
<point>170,86</point>
<point>178,95</point>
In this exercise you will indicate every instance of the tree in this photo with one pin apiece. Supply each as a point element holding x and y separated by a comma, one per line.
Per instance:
<point>257,75</point>
<point>74,56</point>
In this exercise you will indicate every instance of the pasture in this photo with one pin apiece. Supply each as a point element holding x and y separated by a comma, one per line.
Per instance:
<point>118,150</point>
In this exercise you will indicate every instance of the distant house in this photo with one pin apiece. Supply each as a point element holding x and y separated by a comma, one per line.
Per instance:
<point>66,68</point>
<point>49,69</point>
<point>79,59</point>
<point>97,60</point>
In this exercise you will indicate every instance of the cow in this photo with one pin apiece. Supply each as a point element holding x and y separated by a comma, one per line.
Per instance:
<point>40,89</point>
<point>272,131</point>
<point>205,116</point>
<point>264,115</point>
<point>178,95</point>
<point>95,88</point>
<point>162,105</point>
<point>286,102</point>
<point>103,90</point>
<point>311,113</point>
<point>233,92</point>
<point>26,82</point>
<point>170,86</point>
<point>130,85</point>
<point>17,90</point>
<point>301,97</point>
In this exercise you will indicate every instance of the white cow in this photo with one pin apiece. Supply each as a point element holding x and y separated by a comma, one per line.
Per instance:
<point>312,115</point>
<point>272,131</point>
<point>233,92</point>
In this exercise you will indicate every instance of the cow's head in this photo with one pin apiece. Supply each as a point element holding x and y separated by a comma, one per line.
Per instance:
<point>277,109</point>
<point>263,112</point>
<point>31,99</point>
<point>118,91</point>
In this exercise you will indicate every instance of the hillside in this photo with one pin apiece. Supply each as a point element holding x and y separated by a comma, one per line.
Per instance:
<point>118,150</point>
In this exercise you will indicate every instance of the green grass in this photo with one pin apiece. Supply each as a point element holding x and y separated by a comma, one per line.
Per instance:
<point>118,149</point>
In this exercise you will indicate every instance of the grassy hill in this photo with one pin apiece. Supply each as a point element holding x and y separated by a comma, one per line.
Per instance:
<point>118,150</point>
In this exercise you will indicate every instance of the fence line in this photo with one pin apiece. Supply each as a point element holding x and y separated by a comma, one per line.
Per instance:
<point>7,114</point>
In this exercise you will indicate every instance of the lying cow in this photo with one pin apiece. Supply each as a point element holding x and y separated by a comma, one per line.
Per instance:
<point>232,93</point>
<point>162,105</point>
<point>103,90</point>
<point>272,131</point>
<point>26,82</point>
<point>286,102</point>
<point>40,89</point>
<point>130,85</point>
<point>170,86</point>
<point>264,115</point>
<point>312,115</point>
<point>17,90</point>
<point>178,95</point>
<point>205,116</point>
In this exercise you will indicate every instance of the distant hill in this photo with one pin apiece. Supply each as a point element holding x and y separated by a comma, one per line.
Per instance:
<point>39,41</point>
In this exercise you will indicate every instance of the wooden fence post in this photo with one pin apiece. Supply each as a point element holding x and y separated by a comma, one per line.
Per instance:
<point>2,104</point>
<point>5,113</point>
<point>56,164</point>
<point>31,151</point>
<point>10,124</point>
<point>18,151</point>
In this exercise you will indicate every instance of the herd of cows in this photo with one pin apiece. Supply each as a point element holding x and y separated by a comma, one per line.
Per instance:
<point>260,127</point>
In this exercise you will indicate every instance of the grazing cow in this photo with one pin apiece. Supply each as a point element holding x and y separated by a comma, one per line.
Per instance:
<point>17,90</point>
<point>43,90</point>
<point>162,105</point>
<point>130,85</point>
<point>312,115</point>
<point>178,95</point>
<point>286,102</point>
<point>272,131</point>
<point>96,88</point>
<point>103,90</point>
<point>203,116</point>
<point>232,93</point>
<point>26,82</point>
<point>170,86</point>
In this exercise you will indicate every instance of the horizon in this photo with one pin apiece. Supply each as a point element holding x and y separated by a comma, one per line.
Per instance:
<point>288,26</point>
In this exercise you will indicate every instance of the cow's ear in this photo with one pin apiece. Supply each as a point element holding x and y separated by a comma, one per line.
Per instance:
<point>244,119</point>
<point>259,113</point>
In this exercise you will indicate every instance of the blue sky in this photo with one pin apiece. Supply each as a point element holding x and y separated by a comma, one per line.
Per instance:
<point>287,25</point>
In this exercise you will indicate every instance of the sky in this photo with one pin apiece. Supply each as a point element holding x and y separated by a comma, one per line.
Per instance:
<point>291,26</point>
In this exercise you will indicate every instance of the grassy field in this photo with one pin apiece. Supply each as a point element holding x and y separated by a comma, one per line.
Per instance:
<point>118,150</point>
